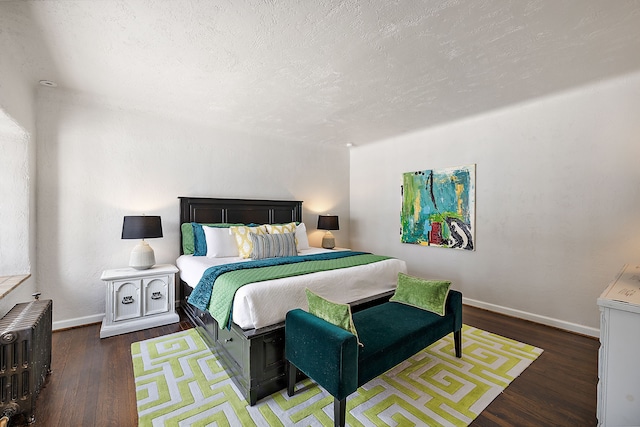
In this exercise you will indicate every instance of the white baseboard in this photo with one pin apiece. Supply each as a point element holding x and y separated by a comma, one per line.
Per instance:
<point>78,321</point>
<point>549,321</point>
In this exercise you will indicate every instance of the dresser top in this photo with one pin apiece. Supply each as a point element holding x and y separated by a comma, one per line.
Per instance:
<point>624,292</point>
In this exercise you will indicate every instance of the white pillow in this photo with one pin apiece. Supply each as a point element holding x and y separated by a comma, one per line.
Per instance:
<point>301,236</point>
<point>220,243</point>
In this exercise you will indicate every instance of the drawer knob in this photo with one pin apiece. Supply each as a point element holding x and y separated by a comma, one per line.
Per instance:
<point>127,300</point>
<point>156,295</point>
<point>228,340</point>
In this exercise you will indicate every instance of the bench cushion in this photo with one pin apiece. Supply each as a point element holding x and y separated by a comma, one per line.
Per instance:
<point>393,332</point>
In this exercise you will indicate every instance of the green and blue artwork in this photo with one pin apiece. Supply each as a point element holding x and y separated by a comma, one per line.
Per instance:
<point>438,207</point>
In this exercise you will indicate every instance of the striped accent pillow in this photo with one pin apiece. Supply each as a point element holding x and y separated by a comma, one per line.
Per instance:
<point>273,245</point>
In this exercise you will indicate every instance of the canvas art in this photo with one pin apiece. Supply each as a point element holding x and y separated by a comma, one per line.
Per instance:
<point>438,207</point>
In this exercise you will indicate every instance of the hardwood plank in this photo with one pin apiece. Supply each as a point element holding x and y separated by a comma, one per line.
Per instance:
<point>558,389</point>
<point>92,379</point>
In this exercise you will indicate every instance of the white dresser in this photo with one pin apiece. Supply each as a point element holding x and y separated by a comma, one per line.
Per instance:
<point>139,299</point>
<point>619,356</point>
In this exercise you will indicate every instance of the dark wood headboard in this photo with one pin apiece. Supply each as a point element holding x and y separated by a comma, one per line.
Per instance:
<point>245,211</point>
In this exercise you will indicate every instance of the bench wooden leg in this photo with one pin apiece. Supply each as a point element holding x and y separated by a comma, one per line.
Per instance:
<point>339,412</point>
<point>291,379</point>
<point>457,338</point>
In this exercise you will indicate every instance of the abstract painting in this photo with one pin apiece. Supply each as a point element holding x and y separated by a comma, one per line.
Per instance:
<point>438,207</point>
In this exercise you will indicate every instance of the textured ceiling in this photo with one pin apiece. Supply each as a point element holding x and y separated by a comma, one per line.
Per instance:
<point>322,71</point>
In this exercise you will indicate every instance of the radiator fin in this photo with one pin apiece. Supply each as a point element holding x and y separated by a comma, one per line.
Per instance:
<point>25,355</point>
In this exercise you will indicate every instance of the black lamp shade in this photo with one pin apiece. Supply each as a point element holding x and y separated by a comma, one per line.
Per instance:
<point>141,227</point>
<point>328,222</point>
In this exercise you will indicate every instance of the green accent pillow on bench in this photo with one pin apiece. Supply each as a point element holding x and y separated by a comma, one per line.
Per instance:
<point>333,312</point>
<point>430,295</point>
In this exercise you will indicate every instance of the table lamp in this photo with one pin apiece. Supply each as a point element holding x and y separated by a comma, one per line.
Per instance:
<point>142,227</point>
<point>328,222</point>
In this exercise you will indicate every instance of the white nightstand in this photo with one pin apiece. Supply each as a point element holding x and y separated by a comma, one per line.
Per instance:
<point>139,299</point>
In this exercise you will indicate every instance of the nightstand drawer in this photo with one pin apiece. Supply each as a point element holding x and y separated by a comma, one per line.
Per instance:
<point>126,301</point>
<point>156,295</point>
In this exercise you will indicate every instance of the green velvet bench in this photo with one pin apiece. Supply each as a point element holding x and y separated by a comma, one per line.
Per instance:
<point>390,333</point>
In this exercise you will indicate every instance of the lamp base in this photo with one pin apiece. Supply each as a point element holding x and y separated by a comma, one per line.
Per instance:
<point>328,241</point>
<point>142,257</point>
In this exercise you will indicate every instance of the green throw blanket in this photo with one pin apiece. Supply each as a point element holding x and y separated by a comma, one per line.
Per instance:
<point>226,285</point>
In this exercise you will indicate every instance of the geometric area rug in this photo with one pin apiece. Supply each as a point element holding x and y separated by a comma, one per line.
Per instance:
<point>179,382</point>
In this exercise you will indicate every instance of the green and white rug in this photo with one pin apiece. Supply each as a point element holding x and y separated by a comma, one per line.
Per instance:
<point>179,382</point>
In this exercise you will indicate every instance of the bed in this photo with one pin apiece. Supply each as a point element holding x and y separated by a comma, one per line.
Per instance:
<point>251,347</point>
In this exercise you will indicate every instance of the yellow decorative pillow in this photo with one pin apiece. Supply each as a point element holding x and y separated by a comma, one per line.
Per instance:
<point>243,238</point>
<point>281,228</point>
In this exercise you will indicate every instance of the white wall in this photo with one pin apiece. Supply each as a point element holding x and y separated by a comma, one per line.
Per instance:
<point>14,190</point>
<point>17,171</point>
<point>97,163</point>
<point>557,201</point>
<point>17,124</point>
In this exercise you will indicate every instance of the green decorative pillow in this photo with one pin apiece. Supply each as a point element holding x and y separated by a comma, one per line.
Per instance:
<point>430,295</point>
<point>335,313</point>
<point>188,245</point>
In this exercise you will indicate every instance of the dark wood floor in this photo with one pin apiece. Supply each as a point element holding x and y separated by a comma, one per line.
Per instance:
<point>92,379</point>
<point>558,389</point>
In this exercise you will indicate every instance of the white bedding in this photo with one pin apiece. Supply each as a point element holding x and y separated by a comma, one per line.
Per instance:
<point>261,304</point>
